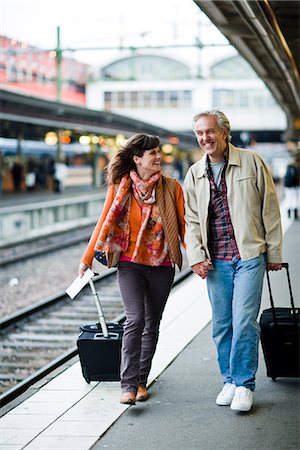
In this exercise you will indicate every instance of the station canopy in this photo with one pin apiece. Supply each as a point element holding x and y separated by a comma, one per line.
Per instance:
<point>26,117</point>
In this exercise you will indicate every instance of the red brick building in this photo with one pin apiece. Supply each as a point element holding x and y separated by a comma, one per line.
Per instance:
<point>32,71</point>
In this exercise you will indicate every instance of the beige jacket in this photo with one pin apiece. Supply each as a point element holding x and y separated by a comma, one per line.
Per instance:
<point>253,207</point>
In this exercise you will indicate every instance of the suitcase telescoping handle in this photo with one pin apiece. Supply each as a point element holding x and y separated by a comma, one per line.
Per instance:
<point>99,309</point>
<point>285,266</point>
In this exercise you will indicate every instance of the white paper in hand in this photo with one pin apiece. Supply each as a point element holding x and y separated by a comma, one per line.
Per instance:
<point>79,283</point>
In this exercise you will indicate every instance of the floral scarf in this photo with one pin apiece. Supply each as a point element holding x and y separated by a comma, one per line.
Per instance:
<point>115,231</point>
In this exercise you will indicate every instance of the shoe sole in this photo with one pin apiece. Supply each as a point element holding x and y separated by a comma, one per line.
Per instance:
<point>223,404</point>
<point>128,402</point>
<point>141,399</point>
<point>240,409</point>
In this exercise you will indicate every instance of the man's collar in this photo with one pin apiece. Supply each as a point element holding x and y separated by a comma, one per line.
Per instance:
<point>233,156</point>
<point>226,153</point>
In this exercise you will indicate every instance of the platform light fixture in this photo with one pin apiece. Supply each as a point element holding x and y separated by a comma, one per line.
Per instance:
<point>51,138</point>
<point>120,140</point>
<point>167,149</point>
<point>84,139</point>
<point>110,142</point>
<point>102,140</point>
<point>64,139</point>
<point>95,139</point>
<point>173,140</point>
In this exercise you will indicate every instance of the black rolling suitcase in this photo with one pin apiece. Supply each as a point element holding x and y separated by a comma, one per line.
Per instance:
<point>99,347</point>
<point>280,337</point>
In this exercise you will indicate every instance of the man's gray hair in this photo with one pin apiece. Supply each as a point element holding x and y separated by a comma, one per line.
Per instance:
<point>222,121</point>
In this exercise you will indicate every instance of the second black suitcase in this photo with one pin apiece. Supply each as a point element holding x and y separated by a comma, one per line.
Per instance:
<point>280,337</point>
<point>99,347</point>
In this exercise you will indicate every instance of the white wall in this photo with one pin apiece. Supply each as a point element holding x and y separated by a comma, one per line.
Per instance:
<point>180,119</point>
<point>254,118</point>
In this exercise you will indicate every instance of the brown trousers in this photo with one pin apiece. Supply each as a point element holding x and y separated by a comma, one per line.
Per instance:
<point>144,291</point>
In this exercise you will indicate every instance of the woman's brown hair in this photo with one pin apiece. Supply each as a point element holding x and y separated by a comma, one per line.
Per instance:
<point>122,163</point>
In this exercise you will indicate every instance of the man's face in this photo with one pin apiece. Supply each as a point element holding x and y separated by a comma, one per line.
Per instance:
<point>210,138</point>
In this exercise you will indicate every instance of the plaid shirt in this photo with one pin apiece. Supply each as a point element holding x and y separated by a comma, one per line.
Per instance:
<point>222,243</point>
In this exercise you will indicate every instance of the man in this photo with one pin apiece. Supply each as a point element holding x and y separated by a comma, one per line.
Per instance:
<point>233,233</point>
<point>291,182</point>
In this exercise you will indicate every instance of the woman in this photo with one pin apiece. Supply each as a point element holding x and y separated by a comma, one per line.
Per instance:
<point>140,225</point>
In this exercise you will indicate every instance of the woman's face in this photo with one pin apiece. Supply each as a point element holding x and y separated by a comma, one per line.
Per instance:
<point>148,164</point>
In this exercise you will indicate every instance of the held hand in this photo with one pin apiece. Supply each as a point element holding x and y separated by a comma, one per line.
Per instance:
<point>81,268</point>
<point>202,268</point>
<point>274,266</point>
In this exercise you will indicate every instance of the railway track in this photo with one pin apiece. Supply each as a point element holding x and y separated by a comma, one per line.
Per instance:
<point>38,339</point>
<point>43,245</point>
<point>38,335</point>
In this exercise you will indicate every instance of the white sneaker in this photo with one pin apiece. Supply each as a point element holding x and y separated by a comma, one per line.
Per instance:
<point>226,395</point>
<point>242,400</point>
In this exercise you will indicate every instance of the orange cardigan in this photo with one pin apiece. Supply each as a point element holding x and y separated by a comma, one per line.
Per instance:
<point>135,213</point>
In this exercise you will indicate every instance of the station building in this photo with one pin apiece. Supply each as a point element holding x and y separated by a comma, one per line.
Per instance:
<point>165,92</point>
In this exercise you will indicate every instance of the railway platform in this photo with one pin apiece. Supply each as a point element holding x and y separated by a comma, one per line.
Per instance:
<point>31,215</point>
<point>63,412</point>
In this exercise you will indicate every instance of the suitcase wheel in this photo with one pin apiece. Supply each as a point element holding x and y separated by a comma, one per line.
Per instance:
<point>273,378</point>
<point>85,376</point>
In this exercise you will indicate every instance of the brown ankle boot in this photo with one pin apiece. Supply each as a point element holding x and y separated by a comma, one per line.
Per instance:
<point>142,394</point>
<point>128,398</point>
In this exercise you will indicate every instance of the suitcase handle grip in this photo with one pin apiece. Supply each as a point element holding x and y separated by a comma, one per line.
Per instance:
<point>285,266</point>
<point>100,335</point>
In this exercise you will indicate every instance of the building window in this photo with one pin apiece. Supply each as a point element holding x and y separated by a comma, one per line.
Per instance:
<point>242,98</point>
<point>187,98</point>
<point>160,99</point>
<point>107,100</point>
<point>133,100</point>
<point>174,99</point>
<point>147,99</point>
<point>120,99</point>
<point>11,73</point>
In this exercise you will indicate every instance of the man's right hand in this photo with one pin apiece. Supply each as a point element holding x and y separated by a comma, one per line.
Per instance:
<point>202,268</point>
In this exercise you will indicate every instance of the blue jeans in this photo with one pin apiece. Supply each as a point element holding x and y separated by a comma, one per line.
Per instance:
<point>234,289</point>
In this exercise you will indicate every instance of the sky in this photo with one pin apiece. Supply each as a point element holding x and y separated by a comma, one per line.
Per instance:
<point>110,23</point>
